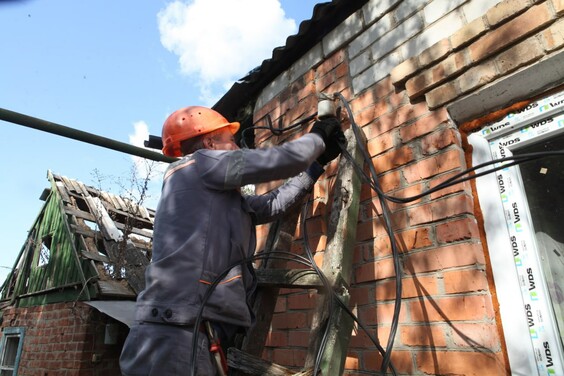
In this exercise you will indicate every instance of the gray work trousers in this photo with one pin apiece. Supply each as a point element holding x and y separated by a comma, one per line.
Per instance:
<point>164,350</point>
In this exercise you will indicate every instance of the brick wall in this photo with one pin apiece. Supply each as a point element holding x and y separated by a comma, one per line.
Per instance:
<point>398,70</point>
<point>64,339</point>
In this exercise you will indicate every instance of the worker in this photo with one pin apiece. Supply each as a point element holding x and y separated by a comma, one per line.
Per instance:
<point>204,225</point>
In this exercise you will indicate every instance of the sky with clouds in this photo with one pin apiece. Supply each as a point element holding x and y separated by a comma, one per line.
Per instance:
<point>115,69</point>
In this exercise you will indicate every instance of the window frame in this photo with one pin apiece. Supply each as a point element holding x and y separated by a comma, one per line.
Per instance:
<point>12,332</point>
<point>492,142</point>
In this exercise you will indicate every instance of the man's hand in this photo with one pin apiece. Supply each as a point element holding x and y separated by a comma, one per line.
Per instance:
<point>326,127</point>
<point>331,133</point>
<point>332,147</point>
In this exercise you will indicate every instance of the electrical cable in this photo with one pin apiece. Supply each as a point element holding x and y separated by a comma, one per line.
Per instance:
<point>219,278</point>
<point>275,255</point>
<point>274,131</point>
<point>386,215</point>
<point>372,181</point>
<point>335,297</point>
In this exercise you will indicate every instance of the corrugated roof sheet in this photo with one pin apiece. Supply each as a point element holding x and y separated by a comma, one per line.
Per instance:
<point>326,16</point>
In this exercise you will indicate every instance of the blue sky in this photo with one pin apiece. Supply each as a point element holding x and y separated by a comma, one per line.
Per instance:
<point>116,69</point>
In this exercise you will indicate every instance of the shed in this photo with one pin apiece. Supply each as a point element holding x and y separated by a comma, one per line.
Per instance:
<point>68,301</point>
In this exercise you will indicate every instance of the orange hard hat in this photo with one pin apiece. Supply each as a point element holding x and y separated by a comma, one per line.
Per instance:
<point>190,122</point>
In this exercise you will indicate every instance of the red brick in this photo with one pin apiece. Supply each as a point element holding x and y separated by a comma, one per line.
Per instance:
<point>382,316</point>
<point>398,99</point>
<point>289,357</point>
<point>374,228</point>
<point>443,94</point>
<point>439,140</point>
<point>428,79</point>
<point>276,338</point>
<point>402,361</point>
<point>460,187</point>
<point>368,114</point>
<point>329,63</point>
<point>553,37</point>
<point>419,237</point>
<point>395,118</point>
<point>461,363</point>
<point>478,76</point>
<point>525,24</point>
<point>465,281</point>
<point>377,248</point>
<point>558,6</point>
<point>411,288</point>
<point>504,10</point>
<point>461,229</point>
<point>299,338</point>
<point>425,168</point>
<point>423,125</point>
<point>393,159</point>
<point>434,53</point>
<point>402,71</point>
<point>470,335</point>
<point>519,55</point>
<point>451,206</point>
<point>468,33</point>
<point>423,335</point>
<point>390,181</point>
<point>464,254</point>
<point>301,301</point>
<point>380,144</point>
<point>373,271</point>
<point>371,95</point>
<point>459,308</point>
<point>293,320</point>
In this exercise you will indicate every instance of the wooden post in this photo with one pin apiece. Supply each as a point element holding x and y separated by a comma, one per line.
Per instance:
<point>337,267</point>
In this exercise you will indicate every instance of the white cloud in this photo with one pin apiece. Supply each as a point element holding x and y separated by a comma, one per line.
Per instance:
<point>219,41</point>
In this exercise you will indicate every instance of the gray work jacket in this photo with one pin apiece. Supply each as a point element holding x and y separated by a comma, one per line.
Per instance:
<point>203,225</point>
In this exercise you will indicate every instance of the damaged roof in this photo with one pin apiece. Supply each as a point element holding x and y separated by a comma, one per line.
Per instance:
<point>85,243</point>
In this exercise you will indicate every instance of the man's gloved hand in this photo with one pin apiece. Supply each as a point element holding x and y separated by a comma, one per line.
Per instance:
<point>326,127</point>
<point>332,147</point>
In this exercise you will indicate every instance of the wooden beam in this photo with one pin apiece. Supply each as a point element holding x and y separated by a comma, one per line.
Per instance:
<point>337,267</point>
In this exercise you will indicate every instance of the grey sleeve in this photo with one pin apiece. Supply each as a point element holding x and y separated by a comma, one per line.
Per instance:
<point>222,170</point>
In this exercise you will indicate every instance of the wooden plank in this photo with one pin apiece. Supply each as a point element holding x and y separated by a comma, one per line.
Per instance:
<point>337,267</point>
<point>79,213</point>
<point>135,230</point>
<point>68,184</point>
<point>95,256</point>
<point>82,188</point>
<point>82,231</point>
<point>114,288</point>
<point>62,191</point>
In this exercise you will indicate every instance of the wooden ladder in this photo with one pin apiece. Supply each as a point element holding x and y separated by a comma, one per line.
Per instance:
<point>337,267</point>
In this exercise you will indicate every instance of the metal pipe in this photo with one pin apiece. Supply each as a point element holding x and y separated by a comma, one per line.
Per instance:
<point>61,130</point>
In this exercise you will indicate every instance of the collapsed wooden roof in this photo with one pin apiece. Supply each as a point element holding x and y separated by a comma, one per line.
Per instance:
<point>83,236</point>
